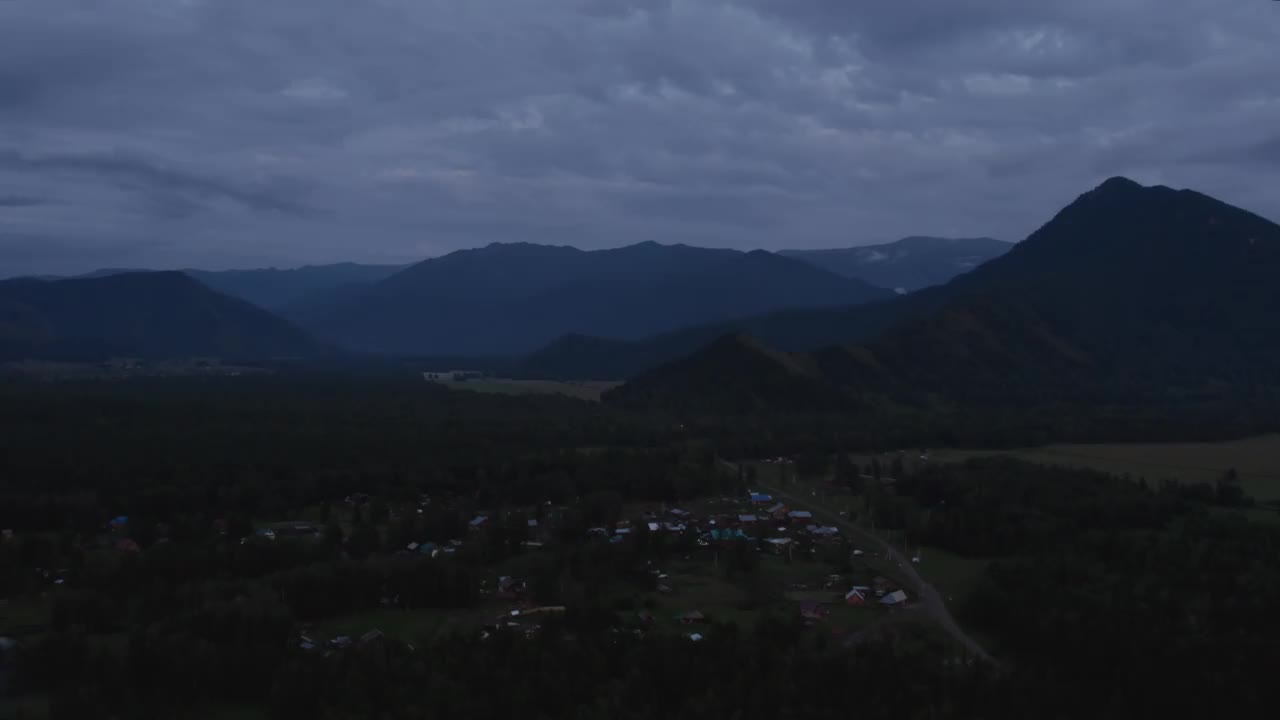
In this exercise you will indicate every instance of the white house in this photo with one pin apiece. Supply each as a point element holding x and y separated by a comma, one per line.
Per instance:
<point>897,597</point>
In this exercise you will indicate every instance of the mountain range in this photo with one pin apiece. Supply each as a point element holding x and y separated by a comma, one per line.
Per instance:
<point>499,301</point>
<point>1128,293</point>
<point>511,299</point>
<point>909,264</point>
<point>272,288</point>
<point>148,314</point>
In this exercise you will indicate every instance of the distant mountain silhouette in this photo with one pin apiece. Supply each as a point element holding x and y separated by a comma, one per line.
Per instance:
<point>1129,293</point>
<point>510,299</point>
<point>908,264</point>
<point>277,289</point>
<point>152,315</point>
<point>272,288</point>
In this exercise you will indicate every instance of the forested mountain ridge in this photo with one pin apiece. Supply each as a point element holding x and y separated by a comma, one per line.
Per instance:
<point>271,288</point>
<point>510,299</point>
<point>152,315</point>
<point>276,289</point>
<point>908,264</point>
<point>1129,291</point>
<point>735,374</point>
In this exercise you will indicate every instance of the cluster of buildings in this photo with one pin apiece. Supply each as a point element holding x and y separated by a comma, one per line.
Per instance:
<point>777,525</point>
<point>338,643</point>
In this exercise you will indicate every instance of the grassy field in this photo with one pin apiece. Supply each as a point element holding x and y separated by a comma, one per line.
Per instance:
<point>697,585</point>
<point>406,625</point>
<point>583,390</point>
<point>24,611</point>
<point>702,591</point>
<point>234,712</point>
<point>26,708</point>
<point>953,575</point>
<point>1257,460</point>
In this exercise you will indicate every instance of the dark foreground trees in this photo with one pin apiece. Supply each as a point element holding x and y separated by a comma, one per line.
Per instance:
<point>1104,597</point>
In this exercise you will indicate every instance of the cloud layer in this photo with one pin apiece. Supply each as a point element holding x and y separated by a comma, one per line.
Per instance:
<point>221,133</point>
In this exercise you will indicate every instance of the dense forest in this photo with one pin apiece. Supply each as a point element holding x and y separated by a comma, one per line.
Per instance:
<point>135,517</point>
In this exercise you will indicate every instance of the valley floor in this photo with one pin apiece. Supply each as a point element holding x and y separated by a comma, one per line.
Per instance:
<point>1256,460</point>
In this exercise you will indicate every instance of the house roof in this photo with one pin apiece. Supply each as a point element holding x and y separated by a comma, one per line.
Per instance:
<point>893,598</point>
<point>800,514</point>
<point>760,497</point>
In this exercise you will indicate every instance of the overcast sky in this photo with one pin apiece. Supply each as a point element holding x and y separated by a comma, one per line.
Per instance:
<point>245,133</point>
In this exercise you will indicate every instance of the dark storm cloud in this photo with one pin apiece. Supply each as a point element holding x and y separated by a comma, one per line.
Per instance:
<point>65,254</point>
<point>234,132</point>
<point>21,201</point>
<point>148,177</point>
<point>1264,152</point>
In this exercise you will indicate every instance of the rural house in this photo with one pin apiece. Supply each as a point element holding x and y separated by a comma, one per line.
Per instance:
<point>857,596</point>
<point>893,599</point>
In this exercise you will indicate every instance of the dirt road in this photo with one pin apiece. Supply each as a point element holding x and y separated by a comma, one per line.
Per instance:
<point>930,599</point>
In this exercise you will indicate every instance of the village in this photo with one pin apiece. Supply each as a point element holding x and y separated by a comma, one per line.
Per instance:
<point>718,560</point>
<point>801,569</point>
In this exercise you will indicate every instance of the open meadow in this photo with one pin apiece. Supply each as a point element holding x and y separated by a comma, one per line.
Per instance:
<point>590,390</point>
<point>1256,460</point>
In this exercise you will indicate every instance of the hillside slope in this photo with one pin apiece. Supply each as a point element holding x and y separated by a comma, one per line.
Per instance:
<point>513,299</point>
<point>734,374</point>
<point>153,315</point>
<point>1130,293</point>
<point>272,288</point>
<point>276,289</point>
<point>909,264</point>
